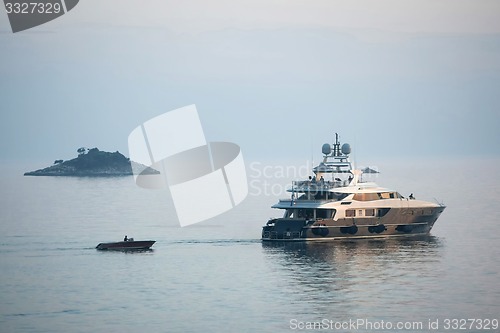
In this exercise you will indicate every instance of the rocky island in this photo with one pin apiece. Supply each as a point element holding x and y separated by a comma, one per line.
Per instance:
<point>94,163</point>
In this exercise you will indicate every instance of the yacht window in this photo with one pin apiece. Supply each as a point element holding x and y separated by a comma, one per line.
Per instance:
<point>305,213</point>
<point>324,213</point>
<point>350,213</point>
<point>389,195</point>
<point>366,196</point>
<point>382,211</point>
<point>337,196</point>
<point>385,195</point>
<point>369,212</point>
<point>321,196</point>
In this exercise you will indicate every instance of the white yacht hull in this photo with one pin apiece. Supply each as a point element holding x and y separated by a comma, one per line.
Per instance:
<point>396,223</point>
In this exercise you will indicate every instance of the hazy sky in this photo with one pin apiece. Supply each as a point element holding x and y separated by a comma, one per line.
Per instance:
<point>417,78</point>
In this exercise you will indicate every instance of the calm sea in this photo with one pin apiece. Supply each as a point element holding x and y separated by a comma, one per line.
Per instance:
<point>217,276</point>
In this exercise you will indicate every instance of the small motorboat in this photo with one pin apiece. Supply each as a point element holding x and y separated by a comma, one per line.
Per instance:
<point>126,245</point>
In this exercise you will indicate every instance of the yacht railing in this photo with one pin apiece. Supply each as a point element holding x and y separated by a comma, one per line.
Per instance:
<point>310,185</point>
<point>319,201</point>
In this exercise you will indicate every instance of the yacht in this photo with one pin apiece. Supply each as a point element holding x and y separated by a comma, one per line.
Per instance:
<point>336,203</point>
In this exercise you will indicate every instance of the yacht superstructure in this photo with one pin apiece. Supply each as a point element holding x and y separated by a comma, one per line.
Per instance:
<point>335,203</point>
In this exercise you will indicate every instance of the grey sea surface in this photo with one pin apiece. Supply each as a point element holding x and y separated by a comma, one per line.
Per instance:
<point>217,276</point>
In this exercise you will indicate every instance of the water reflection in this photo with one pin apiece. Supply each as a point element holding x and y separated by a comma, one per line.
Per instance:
<point>333,252</point>
<point>346,277</point>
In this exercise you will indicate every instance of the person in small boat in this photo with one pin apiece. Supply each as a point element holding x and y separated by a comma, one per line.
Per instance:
<point>125,239</point>
<point>412,197</point>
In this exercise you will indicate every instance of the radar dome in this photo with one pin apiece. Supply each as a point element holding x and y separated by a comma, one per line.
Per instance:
<point>326,149</point>
<point>346,149</point>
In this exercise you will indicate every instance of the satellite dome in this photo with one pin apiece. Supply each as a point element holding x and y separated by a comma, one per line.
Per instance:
<point>346,149</point>
<point>326,149</point>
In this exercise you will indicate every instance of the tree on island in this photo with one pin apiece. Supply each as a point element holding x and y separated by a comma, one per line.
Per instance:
<point>81,151</point>
<point>58,161</point>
